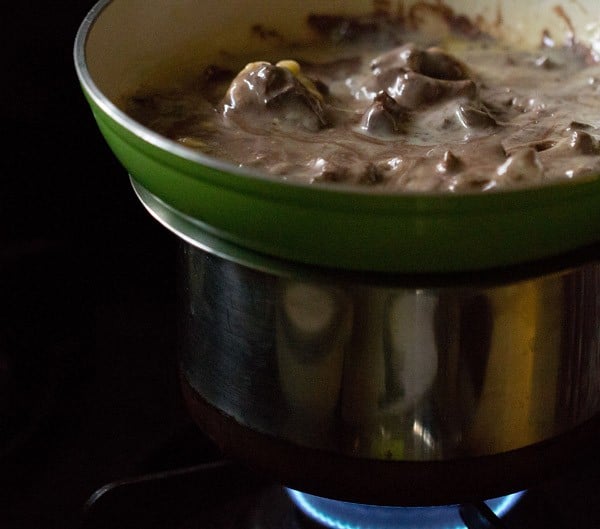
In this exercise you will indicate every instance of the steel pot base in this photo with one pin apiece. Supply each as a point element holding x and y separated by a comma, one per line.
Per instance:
<point>402,483</point>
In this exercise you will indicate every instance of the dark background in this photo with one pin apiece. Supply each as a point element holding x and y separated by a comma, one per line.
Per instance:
<point>87,287</point>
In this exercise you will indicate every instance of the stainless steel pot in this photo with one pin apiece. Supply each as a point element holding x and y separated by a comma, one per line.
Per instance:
<point>438,388</point>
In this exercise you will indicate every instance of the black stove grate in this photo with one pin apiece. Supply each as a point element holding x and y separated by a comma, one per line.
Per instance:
<point>221,494</point>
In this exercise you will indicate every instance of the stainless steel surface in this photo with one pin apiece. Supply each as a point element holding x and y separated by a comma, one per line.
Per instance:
<point>383,367</point>
<point>392,372</point>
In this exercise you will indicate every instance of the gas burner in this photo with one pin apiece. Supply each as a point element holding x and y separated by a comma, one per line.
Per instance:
<point>225,495</point>
<point>334,514</point>
<point>185,484</point>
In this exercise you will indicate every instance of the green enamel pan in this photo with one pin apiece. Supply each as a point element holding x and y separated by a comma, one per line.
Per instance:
<point>122,41</point>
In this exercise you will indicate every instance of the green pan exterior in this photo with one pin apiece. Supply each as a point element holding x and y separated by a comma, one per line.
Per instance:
<point>358,229</point>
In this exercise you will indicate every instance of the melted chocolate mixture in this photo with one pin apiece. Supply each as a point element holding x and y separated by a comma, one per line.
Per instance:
<point>396,111</point>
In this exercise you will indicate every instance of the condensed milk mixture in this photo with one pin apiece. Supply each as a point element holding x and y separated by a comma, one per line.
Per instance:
<point>382,106</point>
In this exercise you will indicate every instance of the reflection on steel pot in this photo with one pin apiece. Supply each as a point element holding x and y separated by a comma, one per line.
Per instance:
<point>393,372</point>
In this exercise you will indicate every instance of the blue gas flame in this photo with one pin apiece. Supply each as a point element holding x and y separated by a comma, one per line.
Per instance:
<point>336,514</point>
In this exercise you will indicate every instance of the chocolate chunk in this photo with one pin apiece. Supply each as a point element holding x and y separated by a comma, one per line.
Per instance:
<point>384,117</point>
<point>344,28</point>
<point>371,175</point>
<point>332,174</point>
<point>583,143</point>
<point>263,94</point>
<point>545,62</point>
<point>450,163</point>
<point>414,76</point>
<point>412,90</point>
<point>544,145</point>
<point>329,170</point>
<point>576,125</point>
<point>402,58</point>
<point>438,64</point>
<point>471,117</point>
<point>522,166</point>
<point>433,62</point>
<point>348,169</point>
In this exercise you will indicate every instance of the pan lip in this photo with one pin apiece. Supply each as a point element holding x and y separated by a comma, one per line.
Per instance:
<point>369,193</point>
